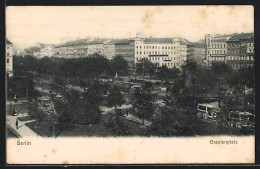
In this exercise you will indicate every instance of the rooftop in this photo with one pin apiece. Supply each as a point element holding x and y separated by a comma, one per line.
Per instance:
<point>8,42</point>
<point>121,41</point>
<point>241,36</point>
<point>158,40</point>
<point>185,42</point>
<point>223,36</point>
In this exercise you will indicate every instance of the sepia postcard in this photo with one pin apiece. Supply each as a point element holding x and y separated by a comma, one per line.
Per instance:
<point>130,84</point>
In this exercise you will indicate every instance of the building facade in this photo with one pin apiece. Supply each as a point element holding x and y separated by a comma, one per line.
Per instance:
<point>44,51</point>
<point>237,50</point>
<point>126,48</point>
<point>160,51</point>
<point>216,48</point>
<point>240,50</point>
<point>186,51</point>
<point>71,50</point>
<point>9,57</point>
<point>109,50</point>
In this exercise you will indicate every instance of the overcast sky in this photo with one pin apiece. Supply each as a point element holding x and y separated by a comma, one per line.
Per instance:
<point>27,25</point>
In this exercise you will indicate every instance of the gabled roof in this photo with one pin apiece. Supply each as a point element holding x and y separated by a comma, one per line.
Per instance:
<point>184,42</point>
<point>241,36</point>
<point>8,42</point>
<point>158,40</point>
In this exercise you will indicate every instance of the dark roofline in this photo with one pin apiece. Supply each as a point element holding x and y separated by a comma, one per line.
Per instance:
<point>8,42</point>
<point>185,42</point>
<point>158,40</point>
<point>236,37</point>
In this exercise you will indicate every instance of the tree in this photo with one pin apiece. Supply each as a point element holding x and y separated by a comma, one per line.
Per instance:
<point>170,123</point>
<point>119,65</point>
<point>35,112</point>
<point>143,102</point>
<point>118,127</point>
<point>220,72</point>
<point>26,63</point>
<point>115,98</point>
<point>144,66</point>
<point>174,74</point>
<point>246,78</point>
<point>89,112</point>
<point>164,73</point>
<point>190,72</point>
<point>190,83</point>
<point>44,64</point>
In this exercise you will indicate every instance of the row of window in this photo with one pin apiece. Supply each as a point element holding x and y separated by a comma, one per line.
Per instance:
<point>234,51</point>
<point>216,52</point>
<point>160,58</point>
<point>156,52</point>
<point>231,58</point>
<point>237,65</point>
<point>234,45</point>
<point>166,64</point>
<point>217,46</point>
<point>240,58</point>
<point>217,58</point>
<point>155,47</point>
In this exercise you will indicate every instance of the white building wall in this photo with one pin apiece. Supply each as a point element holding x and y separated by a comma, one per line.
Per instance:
<point>159,53</point>
<point>9,59</point>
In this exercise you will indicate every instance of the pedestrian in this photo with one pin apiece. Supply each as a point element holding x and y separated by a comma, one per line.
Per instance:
<point>16,123</point>
<point>126,112</point>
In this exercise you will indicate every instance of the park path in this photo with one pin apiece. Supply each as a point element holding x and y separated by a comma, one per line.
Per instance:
<point>23,130</point>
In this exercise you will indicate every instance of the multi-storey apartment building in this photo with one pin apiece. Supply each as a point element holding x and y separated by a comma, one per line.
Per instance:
<point>9,57</point>
<point>95,46</point>
<point>44,51</point>
<point>186,51</point>
<point>237,50</point>
<point>216,48</point>
<point>125,48</point>
<point>160,51</point>
<point>72,49</point>
<point>240,50</point>
<point>109,50</point>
